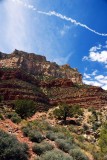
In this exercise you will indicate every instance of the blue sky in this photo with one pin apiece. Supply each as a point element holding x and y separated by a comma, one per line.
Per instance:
<point>65,31</point>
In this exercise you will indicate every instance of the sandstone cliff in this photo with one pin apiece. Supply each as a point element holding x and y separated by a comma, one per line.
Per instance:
<point>38,66</point>
<point>30,76</point>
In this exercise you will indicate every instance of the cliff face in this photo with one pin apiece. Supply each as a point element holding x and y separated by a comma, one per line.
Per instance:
<point>38,66</point>
<point>30,76</point>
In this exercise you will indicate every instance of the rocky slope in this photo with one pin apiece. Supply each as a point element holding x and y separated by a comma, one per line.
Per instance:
<point>30,76</point>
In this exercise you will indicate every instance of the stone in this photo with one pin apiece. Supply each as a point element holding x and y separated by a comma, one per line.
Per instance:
<point>38,66</point>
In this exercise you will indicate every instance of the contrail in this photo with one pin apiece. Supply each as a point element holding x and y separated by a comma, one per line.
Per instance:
<point>53,13</point>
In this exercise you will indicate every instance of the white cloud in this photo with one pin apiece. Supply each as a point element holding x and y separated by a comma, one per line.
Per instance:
<point>53,13</point>
<point>94,73</point>
<point>90,76</point>
<point>85,58</point>
<point>97,54</point>
<point>99,77</point>
<point>98,80</point>
<point>86,76</point>
<point>93,83</point>
<point>95,48</point>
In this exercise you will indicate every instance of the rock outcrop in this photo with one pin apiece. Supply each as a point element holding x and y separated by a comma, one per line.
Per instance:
<point>38,66</point>
<point>30,76</point>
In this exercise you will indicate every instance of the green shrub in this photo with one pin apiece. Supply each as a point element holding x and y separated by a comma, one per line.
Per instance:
<point>42,147</point>
<point>62,112</point>
<point>14,117</point>
<point>26,131</point>
<point>11,148</point>
<point>81,138</point>
<point>64,145</point>
<point>36,136</point>
<point>33,133</point>
<point>55,155</point>
<point>51,135</point>
<point>65,111</point>
<point>25,108</point>
<point>60,135</point>
<point>78,155</point>
<point>97,155</point>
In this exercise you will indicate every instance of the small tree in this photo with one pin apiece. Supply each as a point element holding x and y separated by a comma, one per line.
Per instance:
<point>25,108</point>
<point>65,111</point>
<point>62,112</point>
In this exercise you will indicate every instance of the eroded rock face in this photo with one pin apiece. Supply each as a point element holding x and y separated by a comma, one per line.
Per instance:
<point>38,66</point>
<point>30,76</point>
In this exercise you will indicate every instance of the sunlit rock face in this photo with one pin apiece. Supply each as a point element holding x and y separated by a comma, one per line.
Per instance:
<point>38,66</point>
<point>30,76</point>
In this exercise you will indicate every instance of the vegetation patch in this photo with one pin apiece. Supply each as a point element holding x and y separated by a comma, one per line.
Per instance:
<point>65,111</point>
<point>42,147</point>
<point>15,118</point>
<point>25,108</point>
<point>55,155</point>
<point>77,154</point>
<point>11,148</point>
<point>64,144</point>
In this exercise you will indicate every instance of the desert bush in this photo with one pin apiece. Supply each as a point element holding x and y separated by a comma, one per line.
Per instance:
<point>51,135</point>
<point>11,148</point>
<point>14,117</point>
<point>98,155</point>
<point>60,135</point>
<point>40,125</point>
<point>42,147</point>
<point>33,132</point>
<point>64,145</point>
<point>55,155</point>
<point>35,136</point>
<point>26,131</point>
<point>81,138</point>
<point>25,108</point>
<point>77,154</point>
